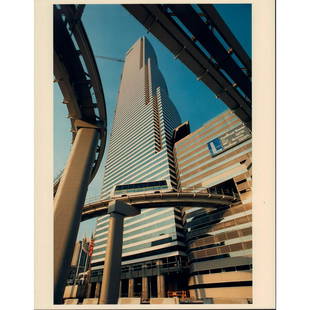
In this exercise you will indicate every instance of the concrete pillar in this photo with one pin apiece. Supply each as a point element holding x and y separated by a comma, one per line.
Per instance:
<point>161,293</point>
<point>161,286</point>
<point>97,290</point>
<point>112,264</point>
<point>120,289</point>
<point>88,291</point>
<point>68,203</point>
<point>145,288</point>
<point>131,283</point>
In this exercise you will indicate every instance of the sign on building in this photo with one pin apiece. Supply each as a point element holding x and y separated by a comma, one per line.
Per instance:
<point>215,146</point>
<point>229,139</point>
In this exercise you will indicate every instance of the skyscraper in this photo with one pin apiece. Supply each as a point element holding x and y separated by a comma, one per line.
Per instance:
<point>140,158</point>
<point>140,148</point>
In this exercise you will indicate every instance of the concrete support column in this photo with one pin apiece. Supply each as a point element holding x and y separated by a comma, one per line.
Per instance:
<point>112,264</point>
<point>161,290</point>
<point>120,289</point>
<point>68,203</point>
<point>97,290</point>
<point>88,291</point>
<point>131,291</point>
<point>145,288</point>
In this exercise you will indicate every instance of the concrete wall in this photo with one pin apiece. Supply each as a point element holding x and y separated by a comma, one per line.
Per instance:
<point>234,276</point>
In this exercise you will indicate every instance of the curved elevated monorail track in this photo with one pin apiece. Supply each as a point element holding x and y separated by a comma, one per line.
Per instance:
<point>160,200</point>
<point>78,77</point>
<point>190,37</point>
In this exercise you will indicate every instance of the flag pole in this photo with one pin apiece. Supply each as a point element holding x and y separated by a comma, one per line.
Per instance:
<point>78,266</point>
<point>77,269</point>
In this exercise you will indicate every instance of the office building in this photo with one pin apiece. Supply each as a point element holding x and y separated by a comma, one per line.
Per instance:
<point>140,159</point>
<point>217,158</point>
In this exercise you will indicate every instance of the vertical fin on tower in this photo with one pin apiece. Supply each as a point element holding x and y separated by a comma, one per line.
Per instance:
<point>157,130</point>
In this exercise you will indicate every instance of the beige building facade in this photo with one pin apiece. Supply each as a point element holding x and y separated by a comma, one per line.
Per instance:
<point>217,158</point>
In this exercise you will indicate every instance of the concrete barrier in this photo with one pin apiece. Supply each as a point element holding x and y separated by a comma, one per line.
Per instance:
<point>71,301</point>
<point>230,300</point>
<point>172,300</point>
<point>90,301</point>
<point>129,300</point>
<point>70,291</point>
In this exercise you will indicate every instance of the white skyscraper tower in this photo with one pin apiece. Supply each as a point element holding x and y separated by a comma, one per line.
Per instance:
<point>140,158</point>
<point>140,149</point>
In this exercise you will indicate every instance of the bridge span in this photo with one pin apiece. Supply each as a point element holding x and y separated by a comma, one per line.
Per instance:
<point>160,200</point>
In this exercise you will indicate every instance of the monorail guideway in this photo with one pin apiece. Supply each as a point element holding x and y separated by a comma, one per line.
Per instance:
<point>88,120</point>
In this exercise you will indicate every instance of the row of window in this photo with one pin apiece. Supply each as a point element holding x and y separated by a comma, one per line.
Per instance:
<point>203,172</point>
<point>147,117</point>
<point>222,284</point>
<point>222,118</point>
<point>141,185</point>
<point>161,165</point>
<point>220,256</point>
<point>225,210</point>
<point>143,158</point>
<point>148,212</point>
<point>127,115</point>
<point>144,254</point>
<point>144,221</point>
<point>133,165</point>
<point>218,172</point>
<point>148,228</point>
<point>114,166</point>
<point>162,173</point>
<point>137,247</point>
<point>226,269</point>
<point>203,223</point>
<point>155,252</point>
<point>206,162</point>
<point>225,249</point>
<point>197,212</point>
<point>169,230</point>
<point>142,135</point>
<point>212,228</point>
<point>141,219</point>
<point>193,145</point>
<point>233,234</point>
<point>207,218</point>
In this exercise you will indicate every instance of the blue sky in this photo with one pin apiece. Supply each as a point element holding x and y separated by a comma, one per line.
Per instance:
<point>111,31</point>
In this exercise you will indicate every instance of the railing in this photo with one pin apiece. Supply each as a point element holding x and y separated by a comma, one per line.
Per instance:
<point>192,189</point>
